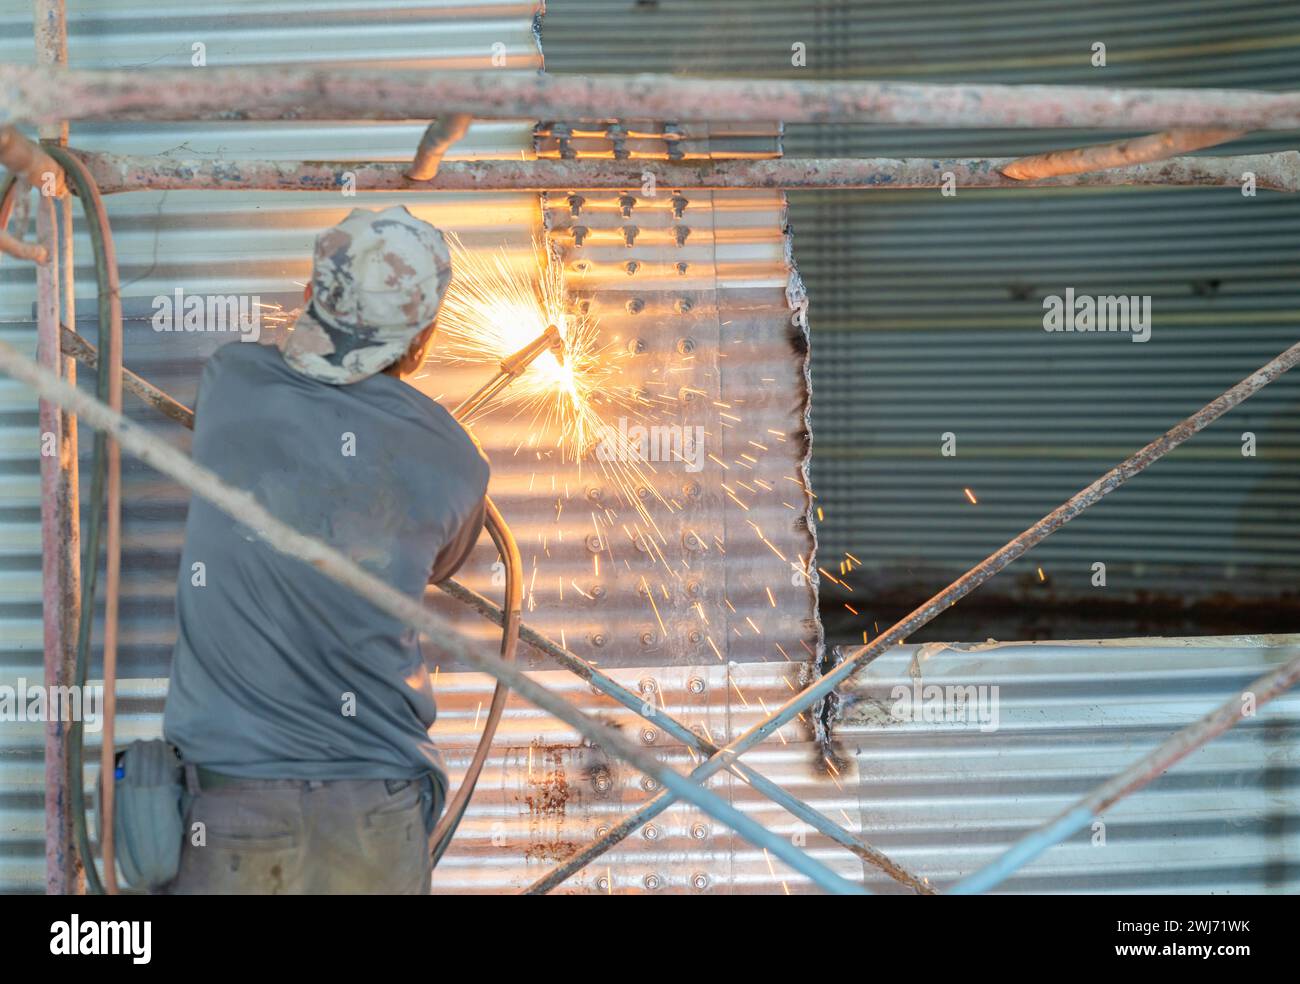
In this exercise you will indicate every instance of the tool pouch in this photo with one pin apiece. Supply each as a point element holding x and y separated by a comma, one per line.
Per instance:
<point>148,825</point>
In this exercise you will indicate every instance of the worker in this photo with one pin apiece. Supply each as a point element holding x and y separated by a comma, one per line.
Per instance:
<point>300,710</point>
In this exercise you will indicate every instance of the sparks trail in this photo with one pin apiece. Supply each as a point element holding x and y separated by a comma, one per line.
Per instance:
<point>494,306</point>
<point>573,409</point>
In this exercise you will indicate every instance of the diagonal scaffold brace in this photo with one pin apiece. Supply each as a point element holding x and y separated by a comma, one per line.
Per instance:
<point>936,605</point>
<point>329,562</point>
<point>76,346</point>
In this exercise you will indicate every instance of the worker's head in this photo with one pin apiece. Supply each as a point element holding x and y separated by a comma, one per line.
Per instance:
<point>376,283</point>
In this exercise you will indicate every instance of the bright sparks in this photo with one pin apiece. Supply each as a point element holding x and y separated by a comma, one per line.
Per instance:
<point>495,306</point>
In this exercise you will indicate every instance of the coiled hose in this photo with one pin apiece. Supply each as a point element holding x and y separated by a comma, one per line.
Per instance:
<point>509,551</point>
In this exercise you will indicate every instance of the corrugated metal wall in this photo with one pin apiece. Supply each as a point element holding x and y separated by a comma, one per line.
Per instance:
<point>925,318</point>
<point>926,313</point>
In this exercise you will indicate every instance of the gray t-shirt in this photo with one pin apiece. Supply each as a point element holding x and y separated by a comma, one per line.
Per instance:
<point>280,672</point>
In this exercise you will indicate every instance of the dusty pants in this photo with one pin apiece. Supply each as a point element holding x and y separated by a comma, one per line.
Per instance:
<point>295,837</point>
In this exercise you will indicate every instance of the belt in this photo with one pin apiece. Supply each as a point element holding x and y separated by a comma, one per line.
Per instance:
<point>206,779</point>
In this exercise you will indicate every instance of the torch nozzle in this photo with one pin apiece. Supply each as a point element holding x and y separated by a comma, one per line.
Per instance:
<point>513,365</point>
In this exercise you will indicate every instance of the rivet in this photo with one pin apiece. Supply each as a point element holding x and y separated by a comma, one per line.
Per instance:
<point>695,685</point>
<point>601,830</point>
<point>696,637</point>
<point>692,542</point>
<point>688,395</point>
<point>699,881</point>
<point>648,685</point>
<point>595,493</point>
<point>650,832</point>
<point>679,205</point>
<point>602,884</point>
<point>642,492</point>
<point>648,638</point>
<point>601,781</point>
<point>639,541</point>
<point>631,266</point>
<point>637,345</point>
<point>629,235</point>
<point>682,268</point>
<point>597,591</point>
<point>685,345</point>
<point>575,204</point>
<point>594,543</point>
<point>691,489</point>
<point>635,306</point>
<point>581,266</point>
<point>694,589</point>
<point>597,639</point>
<point>700,831</point>
<point>626,203</point>
<point>681,234</point>
<point>649,784</point>
<point>579,234</point>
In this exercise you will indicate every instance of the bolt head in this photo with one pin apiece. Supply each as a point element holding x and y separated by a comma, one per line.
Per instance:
<point>695,685</point>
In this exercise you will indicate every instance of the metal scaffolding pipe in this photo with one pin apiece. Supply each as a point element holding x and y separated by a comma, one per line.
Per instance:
<point>76,347</point>
<point>945,599</point>
<point>1145,770</point>
<point>281,537</point>
<point>1121,153</point>
<point>22,157</point>
<point>22,250</point>
<point>44,94</point>
<point>118,173</point>
<point>437,140</point>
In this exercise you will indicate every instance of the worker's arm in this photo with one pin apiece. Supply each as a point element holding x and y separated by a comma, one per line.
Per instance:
<point>457,550</point>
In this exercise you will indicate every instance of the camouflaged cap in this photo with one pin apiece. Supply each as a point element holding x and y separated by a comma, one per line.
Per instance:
<point>377,280</point>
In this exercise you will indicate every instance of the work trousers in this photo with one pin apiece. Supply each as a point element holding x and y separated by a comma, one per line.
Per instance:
<point>306,837</point>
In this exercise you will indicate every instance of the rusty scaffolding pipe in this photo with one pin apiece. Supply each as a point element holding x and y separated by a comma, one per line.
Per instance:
<point>22,157</point>
<point>118,173</point>
<point>1121,153</point>
<point>44,94</point>
<point>931,609</point>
